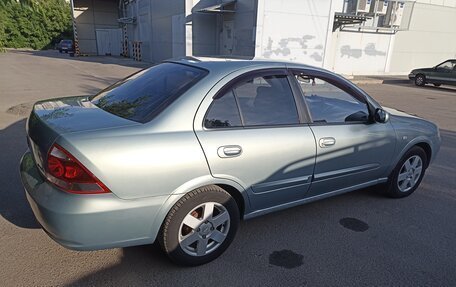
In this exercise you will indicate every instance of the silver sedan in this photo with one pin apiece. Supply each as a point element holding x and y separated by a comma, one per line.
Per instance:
<point>181,152</point>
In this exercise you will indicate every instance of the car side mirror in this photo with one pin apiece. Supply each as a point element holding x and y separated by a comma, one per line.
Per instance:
<point>381,116</point>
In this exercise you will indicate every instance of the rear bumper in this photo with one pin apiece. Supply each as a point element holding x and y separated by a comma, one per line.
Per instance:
<point>89,222</point>
<point>411,76</point>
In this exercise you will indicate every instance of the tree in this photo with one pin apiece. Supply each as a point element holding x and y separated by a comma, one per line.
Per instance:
<point>34,24</point>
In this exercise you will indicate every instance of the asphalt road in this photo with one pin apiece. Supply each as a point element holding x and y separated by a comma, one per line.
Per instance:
<point>405,242</point>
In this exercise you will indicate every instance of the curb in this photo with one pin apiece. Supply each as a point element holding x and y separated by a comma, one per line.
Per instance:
<point>380,81</point>
<point>367,82</point>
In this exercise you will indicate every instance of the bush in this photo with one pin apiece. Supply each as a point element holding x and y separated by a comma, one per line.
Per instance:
<point>35,24</point>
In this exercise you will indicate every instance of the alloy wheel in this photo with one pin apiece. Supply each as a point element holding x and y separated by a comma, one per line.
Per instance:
<point>204,229</point>
<point>419,81</point>
<point>409,173</point>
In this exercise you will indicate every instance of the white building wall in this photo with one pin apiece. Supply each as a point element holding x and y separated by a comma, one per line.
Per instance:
<point>430,40</point>
<point>293,30</point>
<point>358,53</point>
<point>296,30</point>
<point>301,31</point>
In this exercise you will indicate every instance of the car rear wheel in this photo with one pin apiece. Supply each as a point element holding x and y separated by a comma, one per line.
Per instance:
<point>407,175</point>
<point>420,80</point>
<point>200,226</point>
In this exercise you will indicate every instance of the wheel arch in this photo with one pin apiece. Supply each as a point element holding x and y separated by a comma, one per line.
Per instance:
<point>233,188</point>
<point>421,142</point>
<point>237,195</point>
<point>427,149</point>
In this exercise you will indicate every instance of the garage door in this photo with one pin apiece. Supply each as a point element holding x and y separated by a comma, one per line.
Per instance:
<point>109,41</point>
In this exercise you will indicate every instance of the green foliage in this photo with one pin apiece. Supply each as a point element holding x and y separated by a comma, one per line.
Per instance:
<point>35,24</point>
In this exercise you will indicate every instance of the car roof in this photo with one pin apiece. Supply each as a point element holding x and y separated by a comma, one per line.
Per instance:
<point>233,63</point>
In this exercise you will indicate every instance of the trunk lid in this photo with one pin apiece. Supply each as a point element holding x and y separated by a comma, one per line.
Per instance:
<point>53,118</point>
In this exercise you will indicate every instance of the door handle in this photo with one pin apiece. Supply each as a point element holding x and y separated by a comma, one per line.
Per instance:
<point>229,151</point>
<point>326,142</point>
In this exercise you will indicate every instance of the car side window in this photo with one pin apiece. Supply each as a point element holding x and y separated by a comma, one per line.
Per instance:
<point>330,104</point>
<point>266,100</point>
<point>447,66</point>
<point>223,113</point>
<point>259,101</point>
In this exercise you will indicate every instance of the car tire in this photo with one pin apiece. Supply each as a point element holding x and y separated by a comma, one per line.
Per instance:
<point>437,85</point>
<point>420,80</point>
<point>60,51</point>
<point>408,173</point>
<point>200,226</point>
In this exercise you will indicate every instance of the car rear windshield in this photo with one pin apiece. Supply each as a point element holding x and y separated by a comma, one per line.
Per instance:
<point>143,95</point>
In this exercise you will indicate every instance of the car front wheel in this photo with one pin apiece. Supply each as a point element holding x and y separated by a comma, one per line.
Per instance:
<point>420,80</point>
<point>200,226</point>
<point>407,175</point>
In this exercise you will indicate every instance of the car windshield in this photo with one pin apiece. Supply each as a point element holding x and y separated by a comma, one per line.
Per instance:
<point>448,65</point>
<point>66,41</point>
<point>143,95</point>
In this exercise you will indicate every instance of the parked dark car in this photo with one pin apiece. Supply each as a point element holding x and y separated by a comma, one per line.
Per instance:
<point>442,74</point>
<point>65,46</point>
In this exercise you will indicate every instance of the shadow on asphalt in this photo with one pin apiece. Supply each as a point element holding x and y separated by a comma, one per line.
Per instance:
<point>91,84</point>
<point>409,84</point>
<point>13,204</point>
<point>258,238</point>
<point>146,265</point>
<point>256,241</point>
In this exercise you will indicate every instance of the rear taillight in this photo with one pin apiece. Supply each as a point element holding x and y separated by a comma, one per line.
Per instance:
<point>65,171</point>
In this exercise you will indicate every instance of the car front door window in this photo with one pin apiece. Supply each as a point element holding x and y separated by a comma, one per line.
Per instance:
<point>330,104</point>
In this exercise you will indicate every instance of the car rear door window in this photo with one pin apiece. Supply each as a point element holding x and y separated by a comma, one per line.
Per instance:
<point>260,101</point>
<point>328,103</point>
<point>267,100</point>
<point>143,95</point>
<point>223,113</point>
